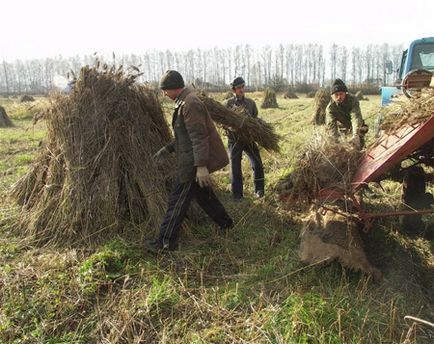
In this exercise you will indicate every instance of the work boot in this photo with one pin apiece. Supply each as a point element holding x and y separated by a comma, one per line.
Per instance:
<point>156,246</point>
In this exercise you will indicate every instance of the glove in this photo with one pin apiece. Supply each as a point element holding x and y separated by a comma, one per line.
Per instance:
<point>161,155</point>
<point>203,178</point>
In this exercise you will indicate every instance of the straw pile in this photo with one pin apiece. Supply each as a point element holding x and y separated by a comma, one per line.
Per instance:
<point>324,163</point>
<point>334,237</point>
<point>360,96</point>
<point>289,94</point>
<point>408,111</point>
<point>5,121</point>
<point>26,98</point>
<point>96,172</point>
<point>270,100</point>
<point>248,128</point>
<point>322,98</point>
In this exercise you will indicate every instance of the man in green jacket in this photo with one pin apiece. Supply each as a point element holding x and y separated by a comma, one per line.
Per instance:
<point>343,115</point>
<point>199,151</point>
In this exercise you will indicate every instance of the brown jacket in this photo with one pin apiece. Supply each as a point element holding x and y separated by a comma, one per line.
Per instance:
<point>197,142</point>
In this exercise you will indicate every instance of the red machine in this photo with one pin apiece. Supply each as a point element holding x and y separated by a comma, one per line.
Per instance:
<point>415,142</point>
<point>410,142</point>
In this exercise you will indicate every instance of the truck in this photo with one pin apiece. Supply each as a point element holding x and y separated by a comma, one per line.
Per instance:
<point>414,72</point>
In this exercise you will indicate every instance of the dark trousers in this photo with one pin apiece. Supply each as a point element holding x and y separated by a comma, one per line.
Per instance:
<point>179,202</point>
<point>236,149</point>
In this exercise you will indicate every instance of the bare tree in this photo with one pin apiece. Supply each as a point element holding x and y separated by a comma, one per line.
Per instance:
<point>290,74</point>
<point>266,62</point>
<point>333,61</point>
<point>343,62</point>
<point>292,63</point>
<point>6,72</point>
<point>248,57</point>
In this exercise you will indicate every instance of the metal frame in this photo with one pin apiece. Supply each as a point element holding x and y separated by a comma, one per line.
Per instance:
<point>363,216</point>
<point>386,154</point>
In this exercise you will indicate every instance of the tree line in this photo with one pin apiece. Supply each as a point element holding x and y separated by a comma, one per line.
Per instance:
<point>290,65</point>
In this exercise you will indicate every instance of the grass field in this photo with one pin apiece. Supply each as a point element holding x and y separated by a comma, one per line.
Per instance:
<point>246,287</point>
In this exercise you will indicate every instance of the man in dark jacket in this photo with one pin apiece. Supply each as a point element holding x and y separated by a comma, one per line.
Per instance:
<point>343,115</point>
<point>237,146</point>
<point>199,151</point>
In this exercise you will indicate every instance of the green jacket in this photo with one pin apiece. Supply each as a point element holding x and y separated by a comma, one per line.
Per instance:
<point>345,118</point>
<point>197,142</point>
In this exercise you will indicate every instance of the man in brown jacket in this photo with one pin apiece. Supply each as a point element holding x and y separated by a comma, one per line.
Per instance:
<point>199,151</point>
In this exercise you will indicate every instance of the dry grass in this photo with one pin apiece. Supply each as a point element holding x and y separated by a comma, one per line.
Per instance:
<point>270,100</point>
<point>5,121</point>
<point>246,287</point>
<point>289,94</point>
<point>323,163</point>
<point>333,236</point>
<point>408,111</point>
<point>248,128</point>
<point>96,170</point>
<point>26,99</point>
<point>322,98</point>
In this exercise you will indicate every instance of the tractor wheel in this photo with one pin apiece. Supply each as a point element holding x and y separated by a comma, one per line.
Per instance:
<point>414,197</point>
<point>414,81</point>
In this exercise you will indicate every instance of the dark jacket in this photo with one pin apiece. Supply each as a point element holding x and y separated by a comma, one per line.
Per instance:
<point>197,142</point>
<point>248,104</point>
<point>340,116</point>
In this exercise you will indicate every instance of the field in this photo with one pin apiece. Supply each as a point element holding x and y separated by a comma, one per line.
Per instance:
<point>246,287</point>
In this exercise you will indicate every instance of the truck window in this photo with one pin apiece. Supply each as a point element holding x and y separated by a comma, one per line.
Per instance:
<point>423,56</point>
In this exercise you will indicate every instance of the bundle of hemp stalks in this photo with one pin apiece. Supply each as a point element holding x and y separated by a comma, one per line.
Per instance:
<point>5,121</point>
<point>408,111</point>
<point>96,172</point>
<point>322,99</point>
<point>251,130</point>
<point>270,100</point>
<point>322,164</point>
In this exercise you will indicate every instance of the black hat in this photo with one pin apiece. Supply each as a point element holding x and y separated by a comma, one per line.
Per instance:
<point>339,86</point>
<point>237,82</point>
<point>171,80</point>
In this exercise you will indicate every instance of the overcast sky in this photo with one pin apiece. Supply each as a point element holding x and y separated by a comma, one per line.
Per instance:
<point>45,28</point>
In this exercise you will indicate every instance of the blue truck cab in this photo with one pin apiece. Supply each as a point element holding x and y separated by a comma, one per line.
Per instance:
<point>418,56</point>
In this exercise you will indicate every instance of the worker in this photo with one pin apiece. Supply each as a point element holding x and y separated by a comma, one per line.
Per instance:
<point>237,146</point>
<point>199,151</point>
<point>344,117</point>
